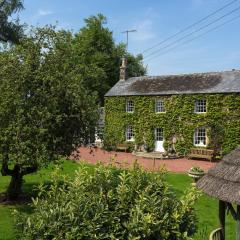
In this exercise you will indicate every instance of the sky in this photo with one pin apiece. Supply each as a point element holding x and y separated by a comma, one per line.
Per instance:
<point>155,21</point>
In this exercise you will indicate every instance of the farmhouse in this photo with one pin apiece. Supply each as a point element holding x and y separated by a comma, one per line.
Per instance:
<point>174,112</point>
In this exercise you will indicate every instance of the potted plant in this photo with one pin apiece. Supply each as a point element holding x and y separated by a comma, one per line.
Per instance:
<point>195,173</point>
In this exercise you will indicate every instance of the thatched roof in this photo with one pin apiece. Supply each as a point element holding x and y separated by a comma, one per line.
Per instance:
<point>213,82</point>
<point>223,180</point>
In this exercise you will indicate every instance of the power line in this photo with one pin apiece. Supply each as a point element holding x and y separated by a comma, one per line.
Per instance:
<point>190,26</point>
<point>192,39</point>
<point>193,32</point>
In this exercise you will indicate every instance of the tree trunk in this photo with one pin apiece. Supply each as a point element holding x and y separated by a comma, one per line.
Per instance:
<point>17,173</point>
<point>15,186</point>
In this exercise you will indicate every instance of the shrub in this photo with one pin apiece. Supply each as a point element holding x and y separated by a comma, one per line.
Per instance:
<point>108,203</point>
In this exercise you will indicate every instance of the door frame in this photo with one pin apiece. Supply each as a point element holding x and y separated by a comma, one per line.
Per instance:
<point>156,142</point>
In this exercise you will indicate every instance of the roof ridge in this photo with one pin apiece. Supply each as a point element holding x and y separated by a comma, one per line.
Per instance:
<point>184,74</point>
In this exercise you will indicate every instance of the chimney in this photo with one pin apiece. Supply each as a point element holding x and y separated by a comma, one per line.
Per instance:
<point>123,69</point>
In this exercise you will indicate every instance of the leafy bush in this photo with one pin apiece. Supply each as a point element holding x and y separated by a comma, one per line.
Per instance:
<point>108,203</point>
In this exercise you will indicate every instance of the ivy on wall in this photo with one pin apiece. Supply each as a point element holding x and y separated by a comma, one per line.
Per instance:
<point>222,121</point>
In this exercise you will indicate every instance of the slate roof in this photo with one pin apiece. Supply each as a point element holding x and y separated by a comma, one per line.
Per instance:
<point>213,82</point>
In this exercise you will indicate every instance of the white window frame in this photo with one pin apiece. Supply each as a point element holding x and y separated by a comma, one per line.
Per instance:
<point>129,106</point>
<point>159,106</point>
<point>159,134</point>
<point>200,106</point>
<point>129,133</point>
<point>200,137</point>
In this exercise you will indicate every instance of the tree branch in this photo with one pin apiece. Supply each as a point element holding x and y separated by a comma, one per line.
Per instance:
<point>28,170</point>
<point>5,170</point>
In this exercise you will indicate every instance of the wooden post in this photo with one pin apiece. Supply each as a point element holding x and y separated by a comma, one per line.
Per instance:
<point>238,223</point>
<point>222,208</point>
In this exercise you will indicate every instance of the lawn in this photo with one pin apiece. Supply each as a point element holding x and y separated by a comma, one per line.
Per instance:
<point>207,208</point>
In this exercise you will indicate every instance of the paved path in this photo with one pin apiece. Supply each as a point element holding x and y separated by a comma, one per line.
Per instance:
<point>95,155</point>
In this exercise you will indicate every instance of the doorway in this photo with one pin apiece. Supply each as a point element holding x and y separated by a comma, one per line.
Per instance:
<point>159,140</point>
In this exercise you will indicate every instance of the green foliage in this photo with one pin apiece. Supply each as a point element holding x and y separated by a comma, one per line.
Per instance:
<point>110,204</point>
<point>179,120</point>
<point>196,169</point>
<point>10,30</point>
<point>135,67</point>
<point>206,207</point>
<point>94,45</point>
<point>51,83</point>
<point>45,110</point>
<point>32,181</point>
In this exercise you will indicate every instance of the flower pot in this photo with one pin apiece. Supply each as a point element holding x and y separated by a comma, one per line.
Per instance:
<point>195,175</point>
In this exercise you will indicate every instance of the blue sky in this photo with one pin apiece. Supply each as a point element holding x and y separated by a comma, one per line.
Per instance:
<point>154,21</point>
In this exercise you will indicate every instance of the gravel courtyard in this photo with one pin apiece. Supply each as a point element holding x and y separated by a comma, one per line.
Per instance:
<point>122,159</point>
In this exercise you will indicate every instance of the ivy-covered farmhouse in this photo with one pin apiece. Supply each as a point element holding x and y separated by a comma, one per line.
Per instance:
<point>176,112</point>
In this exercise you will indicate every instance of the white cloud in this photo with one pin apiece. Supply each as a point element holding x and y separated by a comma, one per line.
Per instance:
<point>144,30</point>
<point>42,12</point>
<point>144,26</point>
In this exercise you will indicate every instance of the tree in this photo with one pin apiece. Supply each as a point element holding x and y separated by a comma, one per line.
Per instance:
<point>135,67</point>
<point>12,30</point>
<point>94,44</point>
<point>106,203</point>
<point>45,110</point>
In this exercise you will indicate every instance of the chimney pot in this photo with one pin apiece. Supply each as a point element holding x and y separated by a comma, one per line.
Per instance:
<point>123,69</point>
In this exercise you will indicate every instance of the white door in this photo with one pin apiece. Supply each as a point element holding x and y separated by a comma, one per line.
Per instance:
<point>159,140</point>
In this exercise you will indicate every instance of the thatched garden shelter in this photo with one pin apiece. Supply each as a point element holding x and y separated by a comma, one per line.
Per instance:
<point>223,182</point>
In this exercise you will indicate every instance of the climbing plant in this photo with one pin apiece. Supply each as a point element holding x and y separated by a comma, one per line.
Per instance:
<point>222,121</point>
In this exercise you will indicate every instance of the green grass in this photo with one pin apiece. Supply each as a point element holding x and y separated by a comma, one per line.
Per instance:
<point>207,208</point>
<point>30,184</point>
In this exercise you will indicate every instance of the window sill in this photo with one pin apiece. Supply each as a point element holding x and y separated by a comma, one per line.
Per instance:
<point>203,146</point>
<point>160,112</point>
<point>130,140</point>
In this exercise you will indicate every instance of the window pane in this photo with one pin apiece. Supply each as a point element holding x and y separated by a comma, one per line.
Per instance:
<point>200,106</point>
<point>129,133</point>
<point>200,137</point>
<point>129,106</point>
<point>159,106</point>
<point>159,134</point>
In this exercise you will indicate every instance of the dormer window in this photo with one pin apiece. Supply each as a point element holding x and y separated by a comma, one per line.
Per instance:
<point>129,106</point>
<point>200,106</point>
<point>159,106</point>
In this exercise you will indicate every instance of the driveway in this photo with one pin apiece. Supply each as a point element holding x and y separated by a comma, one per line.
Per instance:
<point>122,159</point>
